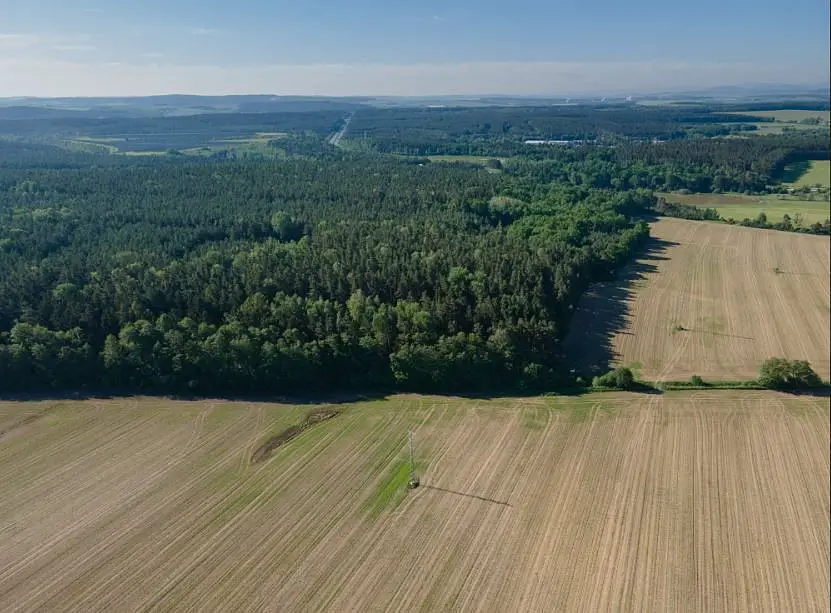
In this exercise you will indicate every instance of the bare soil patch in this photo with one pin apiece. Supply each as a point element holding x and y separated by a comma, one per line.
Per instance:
<point>264,451</point>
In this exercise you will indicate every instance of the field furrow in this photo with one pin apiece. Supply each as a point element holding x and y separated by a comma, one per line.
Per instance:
<point>714,501</point>
<point>712,300</point>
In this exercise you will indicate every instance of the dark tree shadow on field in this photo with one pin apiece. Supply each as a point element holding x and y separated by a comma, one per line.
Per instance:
<point>603,312</point>
<point>310,398</point>
<point>792,172</point>
<point>818,392</point>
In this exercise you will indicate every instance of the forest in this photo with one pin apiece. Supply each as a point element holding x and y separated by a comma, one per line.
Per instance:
<point>502,131</point>
<point>701,165</point>
<point>215,275</point>
<point>332,268</point>
<point>164,133</point>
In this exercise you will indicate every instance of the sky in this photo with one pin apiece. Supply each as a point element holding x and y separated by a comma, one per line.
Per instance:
<point>394,47</point>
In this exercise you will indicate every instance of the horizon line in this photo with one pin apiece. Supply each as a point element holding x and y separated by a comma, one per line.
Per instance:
<point>472,96</point>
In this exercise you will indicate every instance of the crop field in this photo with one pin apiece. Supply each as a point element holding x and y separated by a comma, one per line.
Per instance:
<point>259,143</point>
<point>788,120</point>
<point>789,115</point>
<point>712,300</point>
<point>815,172</point>
<point>779,127</point>
<point>775,206</point>
<point>674,502</point>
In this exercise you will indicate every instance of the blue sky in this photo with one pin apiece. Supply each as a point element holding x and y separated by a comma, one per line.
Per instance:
<point>132,47</point>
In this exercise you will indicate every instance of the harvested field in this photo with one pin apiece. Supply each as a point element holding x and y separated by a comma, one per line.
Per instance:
<point>680,502</point>
<point>713,300</point>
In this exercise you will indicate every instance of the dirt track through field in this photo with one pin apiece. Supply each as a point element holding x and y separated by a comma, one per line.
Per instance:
<point>711,300</point>
<point>681,502</point>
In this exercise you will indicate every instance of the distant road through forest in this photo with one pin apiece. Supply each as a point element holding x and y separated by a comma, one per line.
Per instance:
<point>335,139</point>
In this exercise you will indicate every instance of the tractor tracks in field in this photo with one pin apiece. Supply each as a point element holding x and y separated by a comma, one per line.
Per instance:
<point>264,451</point>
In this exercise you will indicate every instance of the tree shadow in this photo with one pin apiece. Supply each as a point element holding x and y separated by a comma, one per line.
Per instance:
<point>332,398</point>
<point>604,312</point>
<point>646,388</point>
<point>818,392</point>
<point>791,173</point>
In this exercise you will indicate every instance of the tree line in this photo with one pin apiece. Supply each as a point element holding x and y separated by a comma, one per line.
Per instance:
<point>786,224</point>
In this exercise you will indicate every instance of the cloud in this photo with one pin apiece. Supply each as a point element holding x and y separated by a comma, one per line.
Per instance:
<point>73,47</point>
<point>33,43</point>
<point>197,31</point>
<point>19,41</point>
<point>20,77</point>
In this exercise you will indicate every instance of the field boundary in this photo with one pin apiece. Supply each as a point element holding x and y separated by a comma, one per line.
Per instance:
<point>660,387</point>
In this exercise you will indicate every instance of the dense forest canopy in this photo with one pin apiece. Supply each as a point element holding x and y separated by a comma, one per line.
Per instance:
<point>502,130</point>
<point>699,165</point>
<point>280,275</point>
<point>334,267</point>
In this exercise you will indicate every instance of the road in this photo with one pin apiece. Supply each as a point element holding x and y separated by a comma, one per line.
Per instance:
<point>335,139</point>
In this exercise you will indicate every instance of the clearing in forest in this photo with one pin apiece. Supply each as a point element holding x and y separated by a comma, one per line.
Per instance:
<point>712,300</point>
<point>680,502</point>
<point>782,120</point>
<point>789,115</point>
<point>809,173</point>
<point>775,206</point>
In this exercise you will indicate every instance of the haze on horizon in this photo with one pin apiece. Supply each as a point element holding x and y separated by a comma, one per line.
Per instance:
<point>370,47</point>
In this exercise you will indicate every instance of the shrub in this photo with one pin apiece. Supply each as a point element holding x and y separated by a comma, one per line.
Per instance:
<point>697,381</point>
<point>619,378</point>
<point>779,373</point>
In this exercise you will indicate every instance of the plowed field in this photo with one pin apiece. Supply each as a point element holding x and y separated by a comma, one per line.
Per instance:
<point>680,502</point>
<point>713,300</point>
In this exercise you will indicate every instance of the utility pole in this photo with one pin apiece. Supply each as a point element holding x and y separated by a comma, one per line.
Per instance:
<point>412,481</point>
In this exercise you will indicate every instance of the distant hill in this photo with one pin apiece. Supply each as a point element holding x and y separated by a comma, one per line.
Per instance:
<point>176,105</point>
<point>168,106</point>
